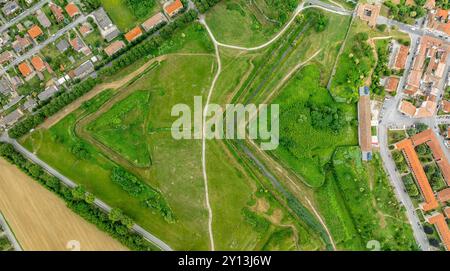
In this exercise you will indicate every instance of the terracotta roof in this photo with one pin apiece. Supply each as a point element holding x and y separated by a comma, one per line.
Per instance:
<point>85,29</point>
<point>439,221</point>
<point>407,108</point>
<point>432,141</point>
<point>391,84</point>
<point>57,12</point>
<point>133,34</point>
<point>25,69</point>
<point>114,47</point>
<point>402,55</point>
<point>37,63</point>
<point>444,195</point>
<point>368,13</point>
<point>72,10</point>
<point>446,106</point>
<point>35,32</point>
<point>153,21</point>
<point>364,123</point>
<point>447,212</point>
<point>413,160</point>
<point>173,7</point>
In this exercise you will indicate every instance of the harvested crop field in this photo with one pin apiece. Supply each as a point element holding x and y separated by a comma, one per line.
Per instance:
<point>40,220</point>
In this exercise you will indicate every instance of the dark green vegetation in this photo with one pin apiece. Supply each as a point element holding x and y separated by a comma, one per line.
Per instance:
<point>406,13</point>
<point>381,69</point>
<point>79,201</point>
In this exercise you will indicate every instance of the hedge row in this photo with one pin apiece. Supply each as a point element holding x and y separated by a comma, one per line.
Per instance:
<point>204,5</point>
<point>117,228</point>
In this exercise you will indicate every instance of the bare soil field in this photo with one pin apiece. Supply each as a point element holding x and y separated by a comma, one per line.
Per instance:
<point>40,220</point>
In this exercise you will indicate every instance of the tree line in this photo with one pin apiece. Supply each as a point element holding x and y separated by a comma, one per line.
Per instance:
<point>114,223</point>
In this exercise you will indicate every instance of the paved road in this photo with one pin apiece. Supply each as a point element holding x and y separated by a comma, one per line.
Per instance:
<point>39,47</point>
<point>24,14</point>
<point>9,234</point>
<point>150,237</point>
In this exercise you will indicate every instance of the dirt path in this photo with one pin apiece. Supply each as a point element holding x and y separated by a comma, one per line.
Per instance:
<point>40,220</point>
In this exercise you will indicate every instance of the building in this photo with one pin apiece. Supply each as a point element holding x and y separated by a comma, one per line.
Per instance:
<point>29,105</point>
<point>407,108</point>
<point>10,8</point>
<point>391,84</point>
<point>35,31</point>
<point>20,44</point>
<point>368,13</point>
<point>444,195</point>
<point>47,93</point>
<point>25,69</point>
<point>438,220</point>
<point>439,20</point>
<point>43,19</point>
<point>114,47</point>
<point>86,29</point>
<point>79,46</point>
<point>5,57</point>
<point>401,57</point>
<point>107,29</point>
<point>57,12</point>
<point>5,87</point>
<point>11,118</point>
<point>410,154</point>
<point>38,63</point>
<point>83,70</point>
<point>173,8</point>
<point>63,45</point>
<point>72,10</point>
<point>153,21</point>
<point>446,106</point>
<point>133,34</point>
<point>364,124</point>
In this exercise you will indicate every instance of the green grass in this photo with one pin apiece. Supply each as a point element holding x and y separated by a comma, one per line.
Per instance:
<point>122,16</point>
<point>305,156</point>
<point>239,22</point>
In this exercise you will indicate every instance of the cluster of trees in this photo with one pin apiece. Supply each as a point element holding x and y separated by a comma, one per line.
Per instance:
<point>404,13</point>
<point>434,176</point>
<point>149,196</point>
<point>318,19</point>
<point>444,4</point>
<point>327,117</point>
<point>91,5</point>
<point>381,70</point>
<point>140,8</point>
<point>52,107</point>
<point>410,186</point>
<point>204,5</point>
<point>80,151</point>
<point>149,46</point>
<point>80,202</point>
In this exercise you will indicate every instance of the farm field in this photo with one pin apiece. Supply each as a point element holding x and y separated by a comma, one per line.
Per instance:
<point>40,220</point>
<point>123,16</point>
<point>248,23</point>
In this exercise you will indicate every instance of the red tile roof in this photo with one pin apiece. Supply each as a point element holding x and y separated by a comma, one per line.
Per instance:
<point>439,221</point>
<point>57,12</point>
<point>408,150</point>
<point>133,34</point>
<point>391,84</point>
<point>407,108</point>
<point>35,32</point>
<point>447,212</point>
<point>444,195</point>
<point>25,69</point>
<point>114,47</point>
<point>364,126</point>
<point>72,10</point>
<point>402,55</point>
<point>173,7</point>
<point>446,106</point>
<point>37,63</point>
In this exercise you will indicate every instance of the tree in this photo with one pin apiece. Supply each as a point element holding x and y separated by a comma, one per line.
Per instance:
<point>89,198</point>
<point>78,193</point>
<point>115,215</point>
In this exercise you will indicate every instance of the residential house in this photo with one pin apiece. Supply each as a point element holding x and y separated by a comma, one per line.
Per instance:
<point>154,21</point>
<point>83,70</point>
<point>133,34</point>
<point>107,29</point>
<point>10,8</point>
<point>47,93</point>
<point>173,8</point>
<point>72,10</point>
<point>11,118</point>
<point>114,47</point>
<point>43,19</point>
<point>62,45</point>
<point>57,12</point>
<point>38,63</point>
<point>25,69</point>
<point>86,29</point>
<point>5,57</point>
<point>391,84</point>
<point>79,46</point>
<point>35,32</point>
<point>5,86</point>
<point>20,44</point>
<point>29,105</point>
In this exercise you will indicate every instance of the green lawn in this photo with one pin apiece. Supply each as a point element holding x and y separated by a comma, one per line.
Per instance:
<point>240,22</point>
<point>122,16</point>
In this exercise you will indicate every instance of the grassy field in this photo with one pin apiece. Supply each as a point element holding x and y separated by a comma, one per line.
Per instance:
<point>122,16</point>
<point>246,23</point>
<point>40,220</point>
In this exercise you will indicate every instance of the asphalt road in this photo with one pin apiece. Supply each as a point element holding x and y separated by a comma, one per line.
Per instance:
<point>22,15</point>
<point>100,204</point>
